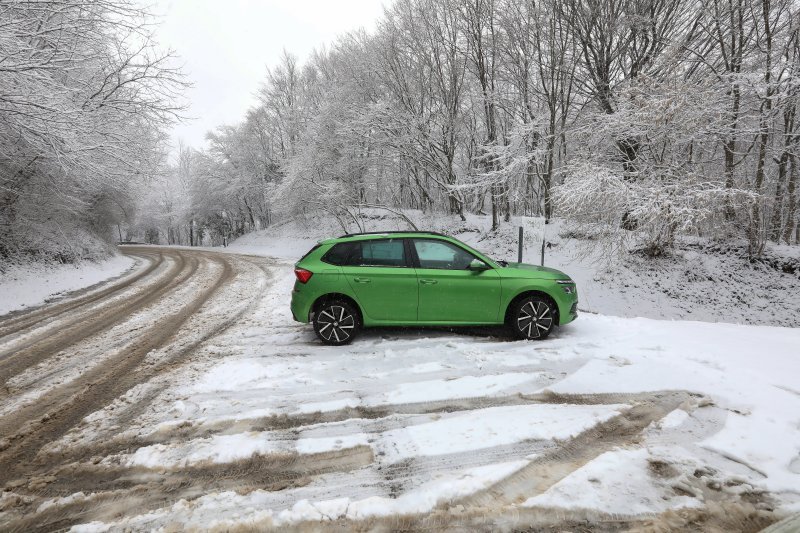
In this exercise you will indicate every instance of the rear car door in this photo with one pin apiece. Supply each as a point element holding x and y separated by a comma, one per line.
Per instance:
<point>449,292</point>
<point>382,277</point>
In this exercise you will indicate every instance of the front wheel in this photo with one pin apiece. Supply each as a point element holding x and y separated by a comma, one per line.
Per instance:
<point>532,318</point>
<point>336,323</point>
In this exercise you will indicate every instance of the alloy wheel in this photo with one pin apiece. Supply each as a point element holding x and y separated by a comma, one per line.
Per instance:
<point>336,324</point>
<point>535,319</point>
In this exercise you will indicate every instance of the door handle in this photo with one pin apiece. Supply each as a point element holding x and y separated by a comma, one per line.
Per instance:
<point>428,281</point>
<point>361,280</point>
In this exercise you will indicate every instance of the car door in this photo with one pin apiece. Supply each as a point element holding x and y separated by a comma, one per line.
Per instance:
<point>383,280</point>
<point>449,291</point>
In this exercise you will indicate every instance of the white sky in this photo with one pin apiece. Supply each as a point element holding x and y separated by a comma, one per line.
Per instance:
<point>226,46</point>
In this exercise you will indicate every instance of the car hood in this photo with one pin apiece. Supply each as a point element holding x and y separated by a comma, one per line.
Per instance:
<point>534,271</point>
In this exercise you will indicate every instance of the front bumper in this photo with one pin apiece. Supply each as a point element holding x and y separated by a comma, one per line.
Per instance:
<point>567,306</point>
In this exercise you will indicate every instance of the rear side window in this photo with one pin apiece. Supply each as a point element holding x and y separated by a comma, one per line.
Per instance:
<point>379,252</point>
<point>342,253</point>
<point>383,252</point>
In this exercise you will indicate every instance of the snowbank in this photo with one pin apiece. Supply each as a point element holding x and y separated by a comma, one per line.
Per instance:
<point>33,284</point>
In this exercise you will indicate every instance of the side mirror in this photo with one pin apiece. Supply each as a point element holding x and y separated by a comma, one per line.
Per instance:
<point>478,265</point>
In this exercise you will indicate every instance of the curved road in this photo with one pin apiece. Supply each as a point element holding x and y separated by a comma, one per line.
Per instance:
<point>64,361</point>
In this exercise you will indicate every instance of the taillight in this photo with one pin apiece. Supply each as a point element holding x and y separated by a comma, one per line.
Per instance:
<point>302,274</point>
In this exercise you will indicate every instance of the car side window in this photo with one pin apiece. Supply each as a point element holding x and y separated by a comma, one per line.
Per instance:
<point>441,255</point>
<point>380,252</point>
<point>341,254</point>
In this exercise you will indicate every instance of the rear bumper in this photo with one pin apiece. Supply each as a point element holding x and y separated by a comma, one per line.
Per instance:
<point>301,305</point>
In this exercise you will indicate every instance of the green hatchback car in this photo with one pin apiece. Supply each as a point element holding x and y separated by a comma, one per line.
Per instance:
<point>424,279</point>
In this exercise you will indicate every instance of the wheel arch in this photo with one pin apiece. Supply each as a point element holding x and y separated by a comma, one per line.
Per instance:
<point>533,292</point>
<point>332,296</point>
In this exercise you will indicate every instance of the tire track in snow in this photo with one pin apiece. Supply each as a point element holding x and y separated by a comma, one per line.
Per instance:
<point>545,471</point>
<point>32,351</point>
<point>27,430</point>
<point>123,412</point>
<point>21,320</point>
<point>141,490</point>
<point>383,418</point>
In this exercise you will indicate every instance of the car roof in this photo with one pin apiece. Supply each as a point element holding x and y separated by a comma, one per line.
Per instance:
<point>382,235</point>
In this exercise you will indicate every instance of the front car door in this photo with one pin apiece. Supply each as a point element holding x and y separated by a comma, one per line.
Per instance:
<point>382,277</point>
<point>449,292</point>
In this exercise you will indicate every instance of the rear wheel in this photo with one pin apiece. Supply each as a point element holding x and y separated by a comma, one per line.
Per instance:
<point>533,318</point>
<point>336,323</point>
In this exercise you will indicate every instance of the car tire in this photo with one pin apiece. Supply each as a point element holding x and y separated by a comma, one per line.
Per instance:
<point>336,322</point>
<point>532,318</point>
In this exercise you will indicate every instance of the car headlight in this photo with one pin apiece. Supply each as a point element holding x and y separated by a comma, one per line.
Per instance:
<point>567,284</point>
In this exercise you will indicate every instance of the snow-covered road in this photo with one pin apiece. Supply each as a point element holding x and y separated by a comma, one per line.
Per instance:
<point>204,406</point>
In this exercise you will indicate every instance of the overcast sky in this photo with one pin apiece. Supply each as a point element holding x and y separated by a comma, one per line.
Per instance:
<point>227,45</point>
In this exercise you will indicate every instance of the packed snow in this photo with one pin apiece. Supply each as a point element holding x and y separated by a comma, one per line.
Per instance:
<point>618,482</point>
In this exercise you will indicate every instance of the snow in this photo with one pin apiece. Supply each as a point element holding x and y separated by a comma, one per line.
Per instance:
<point>616,482</point>
<point>674,419</point>
<point>463,387</point>
<point>55,502</point>
<point>750,370</point>
<point>743,424</point>
<point>235,374</point>
<point>428,496</point>
<point>213,511</point>
<point>29,285</point>
<point>454,433</point>
<point>495,426</point>
<point>229,448</point>
<point>448,415</point>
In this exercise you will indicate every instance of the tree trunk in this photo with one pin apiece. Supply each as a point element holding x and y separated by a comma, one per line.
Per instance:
<point>777,203</point>
<point>791,200</point>
<point>756,228</point>
<point>729,147</point>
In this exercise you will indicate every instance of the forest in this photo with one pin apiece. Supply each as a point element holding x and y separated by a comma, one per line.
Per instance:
<point>638,121</point>
<point>85,98</point>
